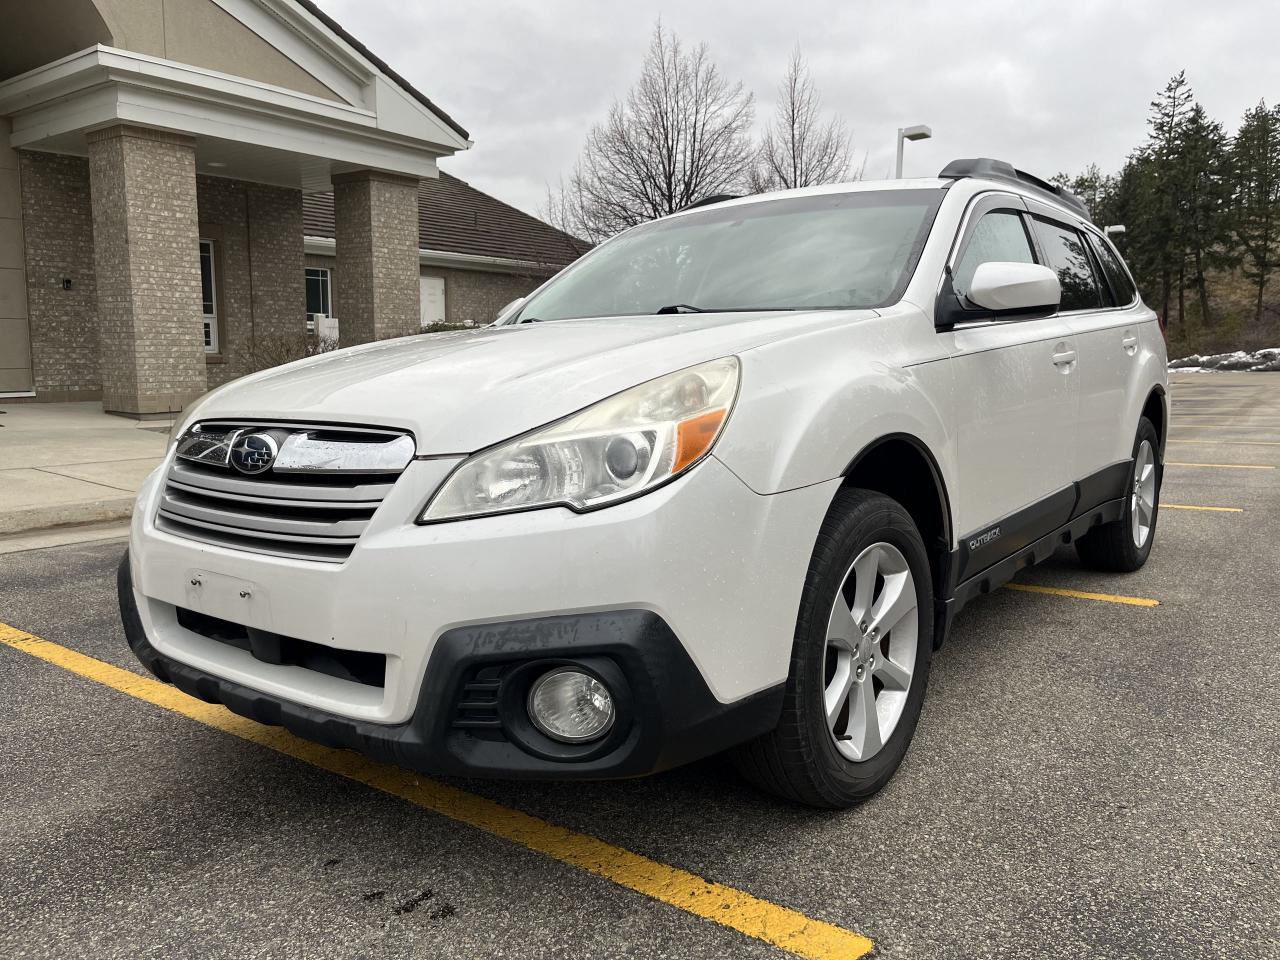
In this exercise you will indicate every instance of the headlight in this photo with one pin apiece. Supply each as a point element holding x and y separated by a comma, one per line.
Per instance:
<point>611,451</point>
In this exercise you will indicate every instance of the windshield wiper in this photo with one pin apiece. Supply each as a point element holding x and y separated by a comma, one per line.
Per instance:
<point>678,308</point>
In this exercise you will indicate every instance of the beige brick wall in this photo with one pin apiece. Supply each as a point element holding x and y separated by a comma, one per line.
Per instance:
<point>277,261</point>
<point>57,217</point>
<point>376,219</point>
<point>259,267</point>
<point>474,297</point>
<point>146,255</point>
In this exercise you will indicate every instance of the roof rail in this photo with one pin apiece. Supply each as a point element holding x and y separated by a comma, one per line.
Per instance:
<point>707,201</point>
<point>989,169</point>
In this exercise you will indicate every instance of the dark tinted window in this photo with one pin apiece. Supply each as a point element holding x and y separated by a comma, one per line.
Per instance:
<point>1066,254</point>
<point>999,237</point>
<point>318,291</point>
<point>1114,270</point>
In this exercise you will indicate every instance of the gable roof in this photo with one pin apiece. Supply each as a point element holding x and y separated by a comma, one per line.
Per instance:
<point>381,64</point>
<point>455,217</point>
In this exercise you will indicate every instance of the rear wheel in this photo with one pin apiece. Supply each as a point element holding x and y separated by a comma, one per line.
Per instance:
<point>860,659</point>
<point>1123,545</point>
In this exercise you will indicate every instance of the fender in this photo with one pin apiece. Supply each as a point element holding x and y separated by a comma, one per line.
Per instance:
<point>858,391</point>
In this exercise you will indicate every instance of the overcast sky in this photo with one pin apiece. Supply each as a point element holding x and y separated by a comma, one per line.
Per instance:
<point>1047,86</point>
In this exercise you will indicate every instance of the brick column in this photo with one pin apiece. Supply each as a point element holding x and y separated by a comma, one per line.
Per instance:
<point>376,220</point>
<point>147,260</point>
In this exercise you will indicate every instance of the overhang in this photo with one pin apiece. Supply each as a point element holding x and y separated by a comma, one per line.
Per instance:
<point>243,128</point>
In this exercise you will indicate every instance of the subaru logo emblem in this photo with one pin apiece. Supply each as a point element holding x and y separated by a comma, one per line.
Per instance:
<point>254,452</point>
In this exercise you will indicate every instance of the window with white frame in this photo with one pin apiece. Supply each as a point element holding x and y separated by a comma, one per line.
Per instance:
<point>318,304</point>
<point>209,296</point>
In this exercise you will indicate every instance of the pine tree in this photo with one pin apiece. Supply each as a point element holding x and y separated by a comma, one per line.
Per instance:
<point>1255,208</point>
<point>1165,122</point>
<point>1203,205</point>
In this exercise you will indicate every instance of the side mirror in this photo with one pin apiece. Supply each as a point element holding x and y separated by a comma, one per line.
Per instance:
<point>1008,287</point>
<point>510,308</point>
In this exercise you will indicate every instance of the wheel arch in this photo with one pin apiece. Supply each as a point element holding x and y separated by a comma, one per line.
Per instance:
<point>902,466</point>
<point>873,468</point>
<point>1155,409</point>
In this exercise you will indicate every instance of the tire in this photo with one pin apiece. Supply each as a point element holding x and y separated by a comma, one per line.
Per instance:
<point>1118,547</point>
<point>833,764</point>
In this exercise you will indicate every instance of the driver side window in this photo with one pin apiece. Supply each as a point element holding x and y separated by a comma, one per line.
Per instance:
<point>999,237</point>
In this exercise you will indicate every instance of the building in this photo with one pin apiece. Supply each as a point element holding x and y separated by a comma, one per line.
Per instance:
<point>193,189</point>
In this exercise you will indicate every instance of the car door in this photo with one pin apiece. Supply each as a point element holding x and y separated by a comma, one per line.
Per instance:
<point>1017,398</point>
<point>1109,344</point>
<point>1087,310</point>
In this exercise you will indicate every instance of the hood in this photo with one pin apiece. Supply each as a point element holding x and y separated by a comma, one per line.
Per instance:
<point>463,391</point>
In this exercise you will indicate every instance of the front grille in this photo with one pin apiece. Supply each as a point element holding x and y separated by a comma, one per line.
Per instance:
<point>357,666</point>
<point>312,502</point>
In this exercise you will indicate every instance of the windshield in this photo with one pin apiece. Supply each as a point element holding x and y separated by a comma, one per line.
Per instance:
<point>836,251</point>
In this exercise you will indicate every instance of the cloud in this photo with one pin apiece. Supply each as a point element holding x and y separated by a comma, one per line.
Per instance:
<point>1049,87</point>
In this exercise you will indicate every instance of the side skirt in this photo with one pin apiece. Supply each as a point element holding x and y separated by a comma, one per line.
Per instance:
<point>1030,536</point>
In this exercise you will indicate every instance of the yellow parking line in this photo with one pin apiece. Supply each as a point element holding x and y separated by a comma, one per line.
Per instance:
<point>773,924</point>
<point>1083,595</point>
<point>1224,466</point>
<point>1185,506</point>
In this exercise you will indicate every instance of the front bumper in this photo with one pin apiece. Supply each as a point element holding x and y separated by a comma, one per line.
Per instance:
<point>686,597</point>
<point>666,714</point>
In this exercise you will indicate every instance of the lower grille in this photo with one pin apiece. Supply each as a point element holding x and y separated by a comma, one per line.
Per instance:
<point>477,706</point>
<point>302,509</point>
<point>358,666</point>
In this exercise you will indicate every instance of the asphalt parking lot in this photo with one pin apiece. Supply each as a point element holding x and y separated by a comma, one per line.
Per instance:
<point>1091,778</point>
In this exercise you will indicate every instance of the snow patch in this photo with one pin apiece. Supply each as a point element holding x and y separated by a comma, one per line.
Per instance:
<point>1257,361</point>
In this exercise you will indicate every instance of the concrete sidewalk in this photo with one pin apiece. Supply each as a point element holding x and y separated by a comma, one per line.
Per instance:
<point>70,463</point>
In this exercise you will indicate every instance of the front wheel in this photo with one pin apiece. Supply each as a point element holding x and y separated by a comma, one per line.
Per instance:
<point>1123,545</point>
<point>860,659</point>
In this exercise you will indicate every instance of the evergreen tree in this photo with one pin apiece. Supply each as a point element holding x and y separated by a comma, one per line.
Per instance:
<point>1166,122</point>
<point>1203,204</point>
<point>1255,208</point>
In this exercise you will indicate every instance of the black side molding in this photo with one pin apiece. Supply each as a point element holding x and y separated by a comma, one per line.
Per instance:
<point>988,558</point>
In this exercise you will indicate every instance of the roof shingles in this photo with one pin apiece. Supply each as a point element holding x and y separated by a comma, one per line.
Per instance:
<point>455,217</point>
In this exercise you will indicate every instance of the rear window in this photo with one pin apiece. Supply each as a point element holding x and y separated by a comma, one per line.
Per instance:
<point>1066,254</point>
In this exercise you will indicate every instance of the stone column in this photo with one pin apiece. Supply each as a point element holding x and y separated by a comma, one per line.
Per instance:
<point>376,221</point>
<point>147,260</point>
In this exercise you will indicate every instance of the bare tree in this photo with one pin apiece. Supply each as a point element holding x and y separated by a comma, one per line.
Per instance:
<point>681,134</point>
<point>798,149</point>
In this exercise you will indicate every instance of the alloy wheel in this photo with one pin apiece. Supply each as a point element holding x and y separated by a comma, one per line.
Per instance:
<point>1142,501</point>
<point>872,635</point>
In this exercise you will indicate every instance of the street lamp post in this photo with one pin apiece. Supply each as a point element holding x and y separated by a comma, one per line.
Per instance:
<point>918,132</point>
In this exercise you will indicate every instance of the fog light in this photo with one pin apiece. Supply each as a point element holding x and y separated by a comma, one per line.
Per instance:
<point>571,706</point>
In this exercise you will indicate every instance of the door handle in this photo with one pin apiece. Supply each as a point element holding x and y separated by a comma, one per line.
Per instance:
<point>1130,343</point>
<point>1064,357</point>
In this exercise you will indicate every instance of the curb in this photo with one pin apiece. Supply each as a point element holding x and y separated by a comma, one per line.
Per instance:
<point>33,519</point>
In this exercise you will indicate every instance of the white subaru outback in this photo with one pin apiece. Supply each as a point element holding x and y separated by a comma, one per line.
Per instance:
<point>723,483</point>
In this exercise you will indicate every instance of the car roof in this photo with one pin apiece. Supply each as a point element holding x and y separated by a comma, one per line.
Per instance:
<point>968,185</point>
<point>855,186</point>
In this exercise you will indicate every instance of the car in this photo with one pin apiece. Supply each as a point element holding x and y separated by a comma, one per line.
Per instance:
<point>721,485</point>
